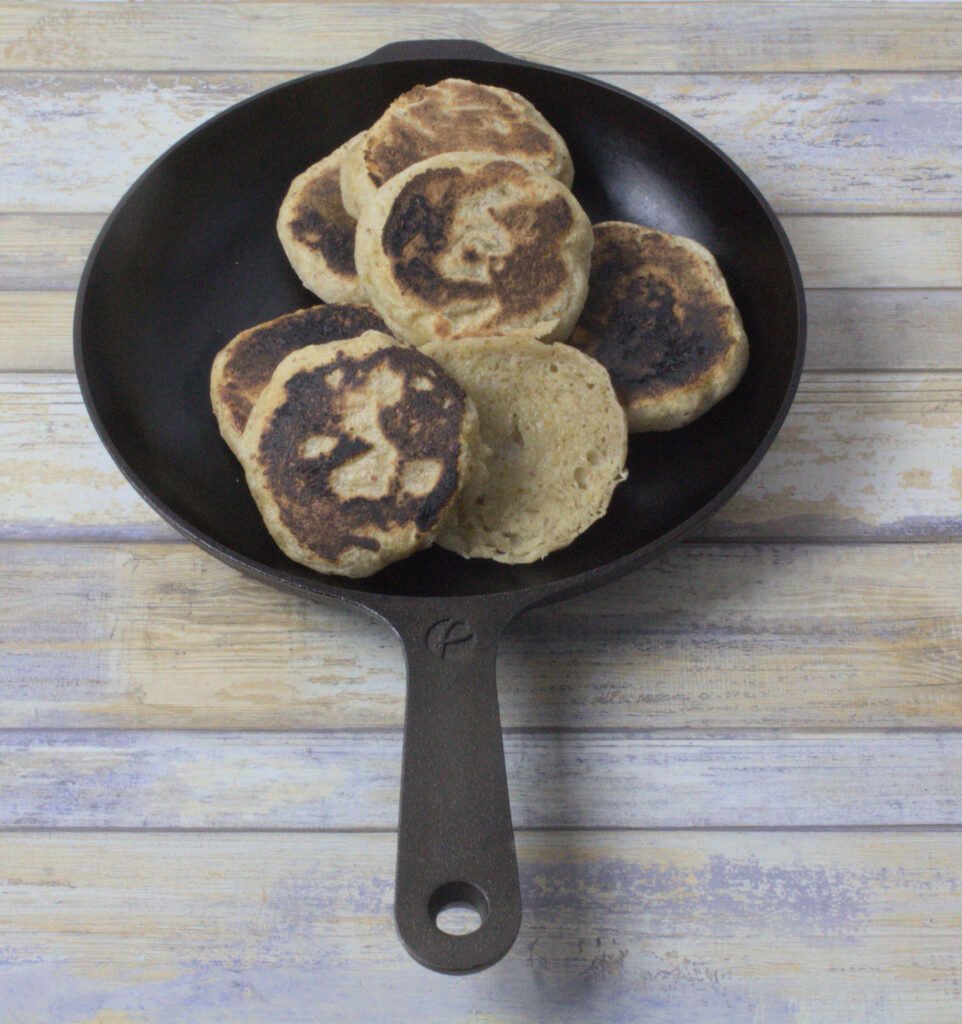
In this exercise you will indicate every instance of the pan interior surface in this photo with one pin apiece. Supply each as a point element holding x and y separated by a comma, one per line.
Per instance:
<point>191,257</point>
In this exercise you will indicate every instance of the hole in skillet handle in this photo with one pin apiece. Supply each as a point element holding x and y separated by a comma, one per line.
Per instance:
<point>458,908</point>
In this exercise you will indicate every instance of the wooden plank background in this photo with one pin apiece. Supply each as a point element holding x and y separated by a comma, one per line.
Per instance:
<point>733,636</point>
<point>661,926</point>
<point>735,773</point>
<point>814,143</point>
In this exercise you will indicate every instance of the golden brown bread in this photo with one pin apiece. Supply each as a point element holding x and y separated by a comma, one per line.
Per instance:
<point>317,233</point>
<point>463,245</point>
<point>451,115</point>
<point>355,451</point>
<point>244,366</point>
<point>660,318</point>
<point>554,443</point>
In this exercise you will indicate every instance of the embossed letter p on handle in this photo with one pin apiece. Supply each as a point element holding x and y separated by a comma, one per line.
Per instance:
<point>455,838</point>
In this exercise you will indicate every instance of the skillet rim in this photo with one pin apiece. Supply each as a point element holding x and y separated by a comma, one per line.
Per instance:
<point>381,603</point>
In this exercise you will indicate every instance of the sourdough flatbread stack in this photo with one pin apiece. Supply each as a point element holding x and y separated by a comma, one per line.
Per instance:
<point>495,420</point>
<point>472,247</point>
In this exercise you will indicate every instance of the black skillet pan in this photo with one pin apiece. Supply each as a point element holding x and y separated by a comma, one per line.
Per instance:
<point>189,257</point>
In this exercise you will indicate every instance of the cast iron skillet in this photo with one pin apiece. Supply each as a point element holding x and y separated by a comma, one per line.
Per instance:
<point>189,257</point>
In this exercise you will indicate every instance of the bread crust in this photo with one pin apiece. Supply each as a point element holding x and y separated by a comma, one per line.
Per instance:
<point>243,368</point>
<point>317,233</point>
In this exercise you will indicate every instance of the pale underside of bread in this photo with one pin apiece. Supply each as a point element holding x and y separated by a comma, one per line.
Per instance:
<point>510,251</point>
<point>317,234</point>
<point>555,444</point>
<point>329,529</point>
<point>452,115</point>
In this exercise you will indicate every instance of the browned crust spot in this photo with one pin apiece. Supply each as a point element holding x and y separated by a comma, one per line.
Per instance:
<point>321,223</point>
<point>448,117</point>
<point>426,423</point>
<point>651,318</point>
<point>257,352</point>
<point>418,232</point>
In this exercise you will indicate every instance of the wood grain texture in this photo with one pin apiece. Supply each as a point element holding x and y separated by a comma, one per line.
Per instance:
<point>708,637</point>
<point>586,36</point>
<point>859,329</point>
<point>877,252</point>
<point>36,331</point>
<point>860,456</point>
<point>338,781</point>
<point>48,251</point>
<point>43,414</point>
<point>738,681</point>
<point>740,927</point>
<point>45,251</point>
<point>838,143</point>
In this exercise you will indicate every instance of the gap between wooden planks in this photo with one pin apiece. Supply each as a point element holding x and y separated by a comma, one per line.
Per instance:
<point>708,637</point>
<point>614,36</point>
<point>661,926</point>
<point>861,456</point>
<point>838,143</point>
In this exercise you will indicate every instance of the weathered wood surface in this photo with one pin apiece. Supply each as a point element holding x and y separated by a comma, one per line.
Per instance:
<point>349,780</point>
<point>860,456</point>
<point>45,251</point>
<point>787,690</point>
<point>859,329</point>
<point>48,251</point>
<point>708,637</point>
<point>614,36</point>
<point>658,926</point>
<point>36,331</point>
<point>838,143</point>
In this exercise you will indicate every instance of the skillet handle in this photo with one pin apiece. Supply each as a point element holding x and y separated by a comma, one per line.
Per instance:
<point>437,49</point>
<point>455,839</point>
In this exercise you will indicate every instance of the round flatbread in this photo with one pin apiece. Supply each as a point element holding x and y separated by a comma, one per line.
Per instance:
<point>463,245</point>
<point>660,318</point>
<point>317,233</point>
<point>355,451</point>
<point>554,440</point>
<point>242,369</point>
<point>454,114</point>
